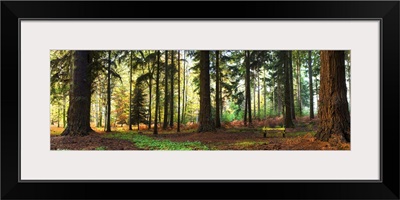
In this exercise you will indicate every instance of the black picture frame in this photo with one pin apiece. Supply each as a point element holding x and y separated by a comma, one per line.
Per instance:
<point>386,11</point>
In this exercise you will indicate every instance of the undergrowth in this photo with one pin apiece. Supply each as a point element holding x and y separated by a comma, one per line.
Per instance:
<point>145,142</point>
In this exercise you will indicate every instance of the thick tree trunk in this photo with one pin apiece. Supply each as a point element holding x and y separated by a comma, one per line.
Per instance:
<point>217,90</point>
<point>109,93</point>
<point>79,104</point>
<point>333,107</point>
<point>288,107</point>
<point>206,123</point>
<point>179,92</point>
<point>157,94</point>
<point>165,124</point>
<point>311,86</point>
<point>171,98</point>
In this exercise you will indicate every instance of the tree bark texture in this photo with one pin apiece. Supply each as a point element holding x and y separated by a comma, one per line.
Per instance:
<point>78,119</point>
<point>333,110</point>
<point>288,107</point>
<point>311,86</point>
<point>206,123</point>
<point>165,124</point>
<point>217,90</point>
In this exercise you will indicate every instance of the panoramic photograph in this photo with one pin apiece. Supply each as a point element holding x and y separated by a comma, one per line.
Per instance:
<point>195,100</point>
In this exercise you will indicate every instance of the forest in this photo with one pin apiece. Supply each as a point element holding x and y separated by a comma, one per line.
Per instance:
<point>200,99</point>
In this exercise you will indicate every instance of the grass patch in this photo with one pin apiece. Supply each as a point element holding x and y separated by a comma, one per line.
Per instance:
<point>146,142</point>
<point>101,148</point>
<point>249,143</point>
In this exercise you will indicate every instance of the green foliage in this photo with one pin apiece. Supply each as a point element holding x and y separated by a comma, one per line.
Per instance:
<point>145,142</point>
<point>101,148</point>
<point>139,109</point>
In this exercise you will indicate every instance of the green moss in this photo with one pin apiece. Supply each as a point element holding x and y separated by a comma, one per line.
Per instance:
<point>146,142</point>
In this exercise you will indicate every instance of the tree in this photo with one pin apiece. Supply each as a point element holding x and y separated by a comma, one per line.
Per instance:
<point>310,74</point>
<point>78,119</point>
<point>333,106</point>
<point>217,90</point>
<point>139,110</point>
<point>247,89</point>
<point>291,84</point>
<point>165,124</point>
<point>298,77</point>
<point>130,90</point>
<point>171,97</point>
<point>205,121</point>
<point>155,132</point>
<point>288,108</point>
<point>179,92</point>
<point>184,93</point>
<point>348,74</point>
<point>108,124</point>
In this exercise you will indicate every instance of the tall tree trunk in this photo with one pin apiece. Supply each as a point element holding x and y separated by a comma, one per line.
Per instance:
<point>248,87</point>
<point>265,93</point>
<point>130,91</point>
<point>299,82</point>
<point>333,109</point>
<point>165,124</point>
<point>217,90</point>
<point>109,93</point>
<point>206,123</point>
<point>138,113</point>
<point>150,97</point>
<point>288,108</point>
<point>316,91</point>
<point>279,99</point>
<point>171,98</point>
<point>311,86</point>
<point>221,100</point>
<point>79,105</point>
<point>155,132</point>
<point>291,85</point>
<point>179,92</point>
<point>184,86</point>
<point>258,93</point>
<point>254,96</point>
<point>245,103</point>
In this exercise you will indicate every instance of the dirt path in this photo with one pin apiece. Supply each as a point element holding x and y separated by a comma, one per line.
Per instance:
<point>93,141</point>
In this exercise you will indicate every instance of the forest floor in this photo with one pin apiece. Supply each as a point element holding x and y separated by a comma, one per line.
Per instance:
<point>233,136</point>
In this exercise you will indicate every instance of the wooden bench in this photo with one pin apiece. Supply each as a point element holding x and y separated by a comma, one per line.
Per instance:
<point>268,129</point>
